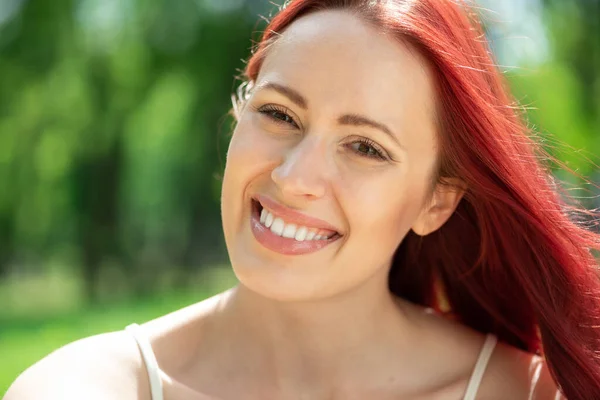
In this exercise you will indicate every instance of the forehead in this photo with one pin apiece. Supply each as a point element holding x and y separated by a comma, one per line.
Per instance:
<point>337,60</point>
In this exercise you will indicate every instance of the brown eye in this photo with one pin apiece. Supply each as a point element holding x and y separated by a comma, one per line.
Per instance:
<point>367,148</point>
<point>279,115</point>
<point>282,117</point>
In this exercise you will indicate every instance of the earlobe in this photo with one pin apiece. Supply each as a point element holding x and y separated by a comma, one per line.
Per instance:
<point>439,208</point>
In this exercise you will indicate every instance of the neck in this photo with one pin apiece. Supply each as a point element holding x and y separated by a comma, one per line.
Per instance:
<point>313,342</point>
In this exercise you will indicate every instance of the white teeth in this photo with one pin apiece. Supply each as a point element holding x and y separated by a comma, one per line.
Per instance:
<point>263,216</point>
<point>290,231</point>
<point>277,227</point>
<point>269,220</point>
<point>301,234</point>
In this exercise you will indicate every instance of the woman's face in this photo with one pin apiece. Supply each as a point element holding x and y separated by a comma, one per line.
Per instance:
<point>337,140</point>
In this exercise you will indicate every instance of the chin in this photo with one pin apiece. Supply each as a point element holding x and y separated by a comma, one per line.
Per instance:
<point>280,283</point>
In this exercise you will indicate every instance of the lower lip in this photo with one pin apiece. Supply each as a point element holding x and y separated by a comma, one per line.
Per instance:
<point>283,245</point>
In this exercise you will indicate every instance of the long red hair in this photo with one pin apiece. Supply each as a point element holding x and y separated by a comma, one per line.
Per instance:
<point>510,260</point>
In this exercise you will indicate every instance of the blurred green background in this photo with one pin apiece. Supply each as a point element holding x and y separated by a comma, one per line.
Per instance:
<point>113,130</point>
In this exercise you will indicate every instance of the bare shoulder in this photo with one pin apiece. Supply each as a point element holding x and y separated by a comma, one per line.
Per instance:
<point>516,374</point>
<point>98,367</point>
<point>510,373</point>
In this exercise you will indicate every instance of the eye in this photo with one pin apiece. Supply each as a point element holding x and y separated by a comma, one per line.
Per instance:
<point>278,114</point>
<point>367,148</point>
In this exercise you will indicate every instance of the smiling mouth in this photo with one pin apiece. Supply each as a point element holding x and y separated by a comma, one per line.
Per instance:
<point>291,230</point>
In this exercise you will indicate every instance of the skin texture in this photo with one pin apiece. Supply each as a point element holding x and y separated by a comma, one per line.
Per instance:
<point>322,325</point>
<point>312,163</point>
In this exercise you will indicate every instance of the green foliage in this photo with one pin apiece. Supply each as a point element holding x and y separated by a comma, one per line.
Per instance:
<point>567,129</point>
<point>563,93</point>
<point>109,140</point>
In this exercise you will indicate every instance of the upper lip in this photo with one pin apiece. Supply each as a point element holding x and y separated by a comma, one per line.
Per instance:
<point>292,216</point>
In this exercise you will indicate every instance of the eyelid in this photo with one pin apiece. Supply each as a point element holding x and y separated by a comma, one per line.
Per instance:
<point>383,155</point>
<point>266,108</point>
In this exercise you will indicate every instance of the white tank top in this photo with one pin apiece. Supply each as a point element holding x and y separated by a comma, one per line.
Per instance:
<point>156,382</point>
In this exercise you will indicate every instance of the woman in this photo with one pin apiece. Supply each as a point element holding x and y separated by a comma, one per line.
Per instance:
<point>377,162</point>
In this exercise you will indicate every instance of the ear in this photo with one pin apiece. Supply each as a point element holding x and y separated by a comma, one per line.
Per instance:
<point>439,208</point>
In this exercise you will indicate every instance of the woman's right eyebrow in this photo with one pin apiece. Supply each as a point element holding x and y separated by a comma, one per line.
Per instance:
<point>287,91</point>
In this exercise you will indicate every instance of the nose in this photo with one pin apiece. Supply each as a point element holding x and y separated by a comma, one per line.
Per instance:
<point>303,171</point>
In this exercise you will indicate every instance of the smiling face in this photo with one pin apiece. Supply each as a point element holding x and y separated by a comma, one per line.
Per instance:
<point>338,139</point>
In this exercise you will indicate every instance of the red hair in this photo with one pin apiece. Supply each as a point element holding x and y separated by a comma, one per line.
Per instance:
<point>510,260</point>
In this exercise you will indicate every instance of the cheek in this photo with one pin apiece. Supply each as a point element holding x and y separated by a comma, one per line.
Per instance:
<point>250,148</point>
<point>249,155</point>
<point>242,163</point>
<point>385,209</point>
<point>386,213</point>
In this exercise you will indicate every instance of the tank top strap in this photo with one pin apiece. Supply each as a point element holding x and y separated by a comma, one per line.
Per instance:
<point>480,366</point>
<point>149,360</point>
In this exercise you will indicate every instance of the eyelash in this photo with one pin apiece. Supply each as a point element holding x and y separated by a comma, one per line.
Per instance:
<point>271,110</point>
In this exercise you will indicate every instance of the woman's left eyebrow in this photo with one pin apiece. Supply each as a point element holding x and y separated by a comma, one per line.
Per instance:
<point>360,120</point>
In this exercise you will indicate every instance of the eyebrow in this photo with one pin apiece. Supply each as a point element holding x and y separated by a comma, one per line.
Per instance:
<point>359,120</point>
<point>288,92</point>
<point>346,119</point>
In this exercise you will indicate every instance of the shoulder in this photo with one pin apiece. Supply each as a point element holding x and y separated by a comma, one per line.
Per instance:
<point>98,367</point>
<point>109,365</point>
<point>510,372</point>
<point>516,374</point>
